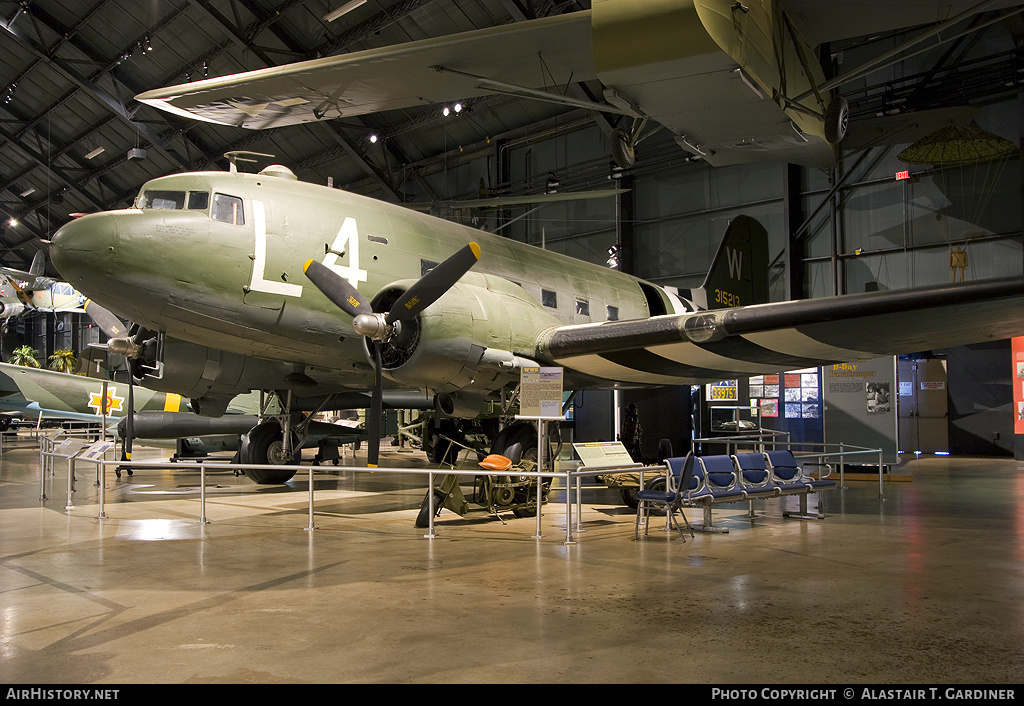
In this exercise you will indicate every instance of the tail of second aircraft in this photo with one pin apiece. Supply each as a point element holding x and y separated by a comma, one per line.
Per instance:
<point>739,271</point>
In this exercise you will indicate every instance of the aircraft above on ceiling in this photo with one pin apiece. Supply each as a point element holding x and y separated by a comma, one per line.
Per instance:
<point>732,81</point>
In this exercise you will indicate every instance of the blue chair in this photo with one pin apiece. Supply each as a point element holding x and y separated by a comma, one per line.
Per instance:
<point>754,478</point>
<point>677,481</point>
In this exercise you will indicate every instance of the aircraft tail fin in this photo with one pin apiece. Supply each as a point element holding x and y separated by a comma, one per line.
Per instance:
<point>38,266</point>
<point>739,271</point>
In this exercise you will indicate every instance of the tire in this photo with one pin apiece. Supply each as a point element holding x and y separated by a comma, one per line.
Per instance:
<point>262,446</point>
<point>629,496</point>
<point>516,442</point>
<point>622,152</point>
<point>657,483</point>
<point>837,116</point>
<point>423,518</point>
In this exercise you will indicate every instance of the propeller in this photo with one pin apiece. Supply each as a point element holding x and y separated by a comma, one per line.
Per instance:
<point>121,341</point>
<point>379,327</point>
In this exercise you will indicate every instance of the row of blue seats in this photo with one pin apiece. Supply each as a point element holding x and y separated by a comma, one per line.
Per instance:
<point>747,476</point>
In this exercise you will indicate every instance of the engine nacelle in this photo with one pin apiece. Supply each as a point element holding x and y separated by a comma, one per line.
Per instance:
<point>464,345</point>
<point>11,309</point>
<point>209,377</point>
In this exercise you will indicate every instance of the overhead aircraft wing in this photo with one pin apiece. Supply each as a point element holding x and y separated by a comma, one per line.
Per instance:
<point>750,340</point>
<point>538,55</point>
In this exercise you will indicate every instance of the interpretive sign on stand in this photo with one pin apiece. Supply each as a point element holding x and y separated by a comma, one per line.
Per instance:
<point>603,454</point>
<point>540,392</point>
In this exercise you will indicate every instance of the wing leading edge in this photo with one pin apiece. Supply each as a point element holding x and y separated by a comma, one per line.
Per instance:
<point>713,345</point>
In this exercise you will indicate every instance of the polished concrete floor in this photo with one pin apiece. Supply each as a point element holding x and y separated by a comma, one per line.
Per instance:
<point>925,585</point>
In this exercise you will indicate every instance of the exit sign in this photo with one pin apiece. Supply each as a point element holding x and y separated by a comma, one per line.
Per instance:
<point>901,175</point>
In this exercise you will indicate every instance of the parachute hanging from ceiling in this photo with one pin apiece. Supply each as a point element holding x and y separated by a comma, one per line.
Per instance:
<point>968,163</point>
<point>957,144</point>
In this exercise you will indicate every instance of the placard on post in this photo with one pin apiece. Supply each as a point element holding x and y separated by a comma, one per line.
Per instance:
<point>540,393</point>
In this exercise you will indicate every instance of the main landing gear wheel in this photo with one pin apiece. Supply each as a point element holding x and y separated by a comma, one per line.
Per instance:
<point>263,445</point>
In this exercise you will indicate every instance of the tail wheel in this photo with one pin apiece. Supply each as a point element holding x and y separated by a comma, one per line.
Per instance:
<point>423,518</point>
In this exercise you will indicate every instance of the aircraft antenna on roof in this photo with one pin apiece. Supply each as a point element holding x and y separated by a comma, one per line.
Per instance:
<point>243,156</point>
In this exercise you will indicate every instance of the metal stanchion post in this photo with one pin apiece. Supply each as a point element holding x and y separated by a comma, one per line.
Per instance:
<point>42,472</point>
<point>202,495</point>
<point>842,465</point>
<point>71,483</point>
<point>430,506</point>
<point>311,526</point>
<point>579,503</point>
<point>540,479</point>
<point>568,507</point>
<point>881,490</point>
<point>101,471</point>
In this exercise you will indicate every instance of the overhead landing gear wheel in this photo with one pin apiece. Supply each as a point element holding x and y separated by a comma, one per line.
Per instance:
<point>837,117</point>
<point>263,445</point>
<point>623,152</point>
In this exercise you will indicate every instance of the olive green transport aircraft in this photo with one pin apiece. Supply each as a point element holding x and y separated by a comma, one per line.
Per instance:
<point>332,300</point>
<point>238,281</point>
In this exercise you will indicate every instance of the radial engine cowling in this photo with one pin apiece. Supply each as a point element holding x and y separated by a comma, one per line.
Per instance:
<point>465,340</point>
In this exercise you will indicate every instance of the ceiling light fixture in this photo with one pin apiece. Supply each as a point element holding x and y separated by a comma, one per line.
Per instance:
<point>96,152</point>
<point>30,190</point>
<point>344,9</point>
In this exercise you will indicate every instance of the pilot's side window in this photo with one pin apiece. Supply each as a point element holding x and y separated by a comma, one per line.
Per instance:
<point>228,209</point>
<point>198,200</point>
<point>163,199</point>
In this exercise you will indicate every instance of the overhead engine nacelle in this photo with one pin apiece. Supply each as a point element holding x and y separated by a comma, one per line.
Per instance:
<point>462,346</point>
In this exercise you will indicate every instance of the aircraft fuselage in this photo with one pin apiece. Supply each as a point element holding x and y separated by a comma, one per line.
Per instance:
<point>216,259</point>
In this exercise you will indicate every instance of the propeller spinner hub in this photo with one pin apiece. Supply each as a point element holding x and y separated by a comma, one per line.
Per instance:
<point>372,326</point>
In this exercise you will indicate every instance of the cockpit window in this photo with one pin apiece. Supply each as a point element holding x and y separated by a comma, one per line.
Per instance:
<point>163,199</point>
<point>198,200</point>
<point>228,209</point>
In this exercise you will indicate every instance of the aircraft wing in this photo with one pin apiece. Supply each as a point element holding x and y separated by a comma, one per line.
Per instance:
<point>535,55</point>
<point>721,344</point>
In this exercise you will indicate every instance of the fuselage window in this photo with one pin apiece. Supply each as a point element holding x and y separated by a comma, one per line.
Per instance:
<point>163,199</point>
<point>613,313</point>
<point>582,307</point>
<point>549,298</point>
<point>198,200</point>
<point>228,209</point>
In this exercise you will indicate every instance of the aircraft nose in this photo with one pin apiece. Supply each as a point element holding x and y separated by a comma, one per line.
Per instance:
<point>83,250</point>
